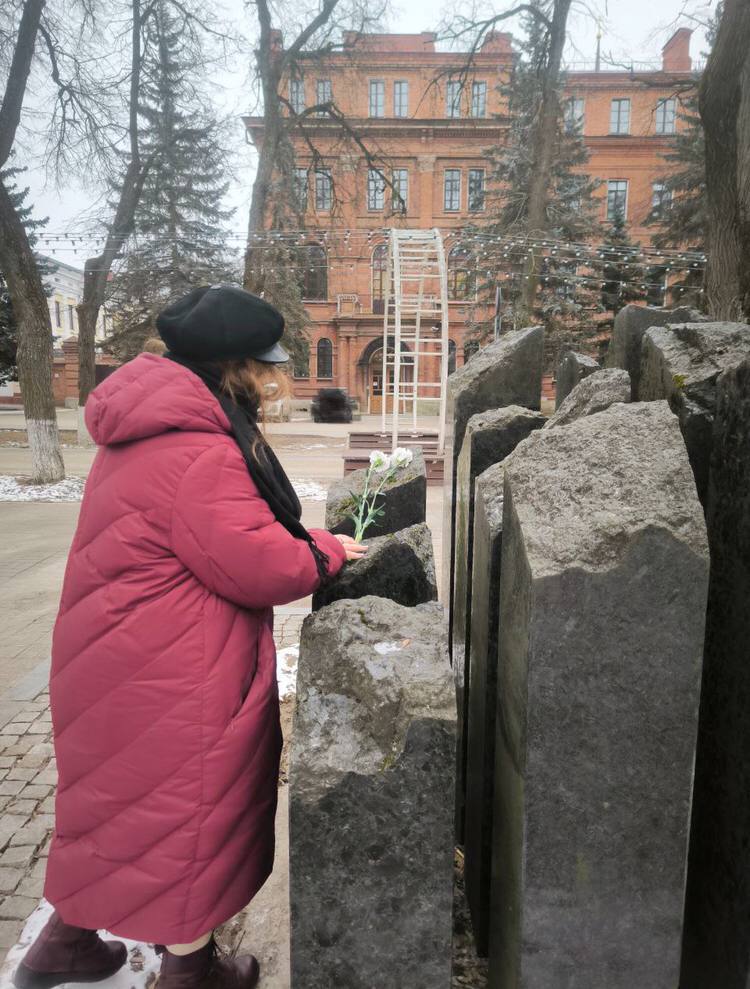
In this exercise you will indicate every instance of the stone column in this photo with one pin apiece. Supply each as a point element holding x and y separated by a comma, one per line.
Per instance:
<point>371,799</point>
<point>489,437</point>
<point>716,951</point>
<point>602,600</point>
<point>507,372</point>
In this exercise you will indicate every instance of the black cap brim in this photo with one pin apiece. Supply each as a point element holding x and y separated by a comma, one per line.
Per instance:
<point>274,355</point>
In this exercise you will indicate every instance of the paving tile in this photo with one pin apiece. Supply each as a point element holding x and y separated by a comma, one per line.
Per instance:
<point>9,879</point>
<point>34,791</point>
<point>17,773</point>
<point>18,856</point>
<point>48,777</point>
<point>9,932</point>
<point>31,887</point>
<point>39,869</point>
<point>31,834</point>
<point>47,806</point>
<point>6,761</point>
<point>17,907</point>
<point>20,747</point>
<point>17,728</point>
<point>21,807</point>
<point>9,788</point>
<point>7,742</point>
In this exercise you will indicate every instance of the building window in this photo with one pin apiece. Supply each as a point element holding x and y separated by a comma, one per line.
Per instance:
<point>323,189</point>
<point>400,189</point>
<point>453,90</point>
<point>479,99</point>
<point>452,190</point>
<point>617,199</point>
<point>301,188</point>
<point>476,190</point>
<point>313,272</point>
<point>325,358</point>
<point>619,117</point>
<point>666,116</point>
<point>661,197</point>
<point>451,356</point>
<point>470,348</point>
<point>377,98</point>
<point>58,314</point>
<point>379,277</point>
<point>401,98</point>
<point>301,365</point>
<point>375,189</point>
<point>462,277</point>
<point>297,94</point>
<point>323,94</point>
<point>574,115</point>
<point>71,319</point>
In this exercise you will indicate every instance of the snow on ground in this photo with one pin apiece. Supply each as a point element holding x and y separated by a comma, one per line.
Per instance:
<point>286,670</point>
<point>139,970</point>
<point>71,489</point>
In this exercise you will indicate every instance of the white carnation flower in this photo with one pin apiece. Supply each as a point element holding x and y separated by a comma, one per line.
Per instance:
<point>402,457</point>
<point>380,461</point>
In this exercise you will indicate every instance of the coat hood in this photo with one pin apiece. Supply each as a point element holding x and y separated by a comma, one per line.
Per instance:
<point>149,396</point>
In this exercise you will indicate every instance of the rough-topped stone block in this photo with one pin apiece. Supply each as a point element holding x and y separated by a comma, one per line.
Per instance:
<point>371,799</point>
<point>404,499</point>
<point>399,566</point>
<point>572,369</point>
<point>717,935</point>
<point>682,363</point>
<point>489,437</point>
<point>507,372</point>
<point>603,590</point>
<point>631,323</point>
<point>594,394</point>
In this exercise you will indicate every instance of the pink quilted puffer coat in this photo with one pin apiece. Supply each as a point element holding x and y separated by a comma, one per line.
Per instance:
<point>163,685</point>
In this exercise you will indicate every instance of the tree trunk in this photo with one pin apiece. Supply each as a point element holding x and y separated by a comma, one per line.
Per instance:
<point>34,344</point>
<point>267,155</point>
<point>544,140</point>
<point>743,186</point>
<point>724,112</point>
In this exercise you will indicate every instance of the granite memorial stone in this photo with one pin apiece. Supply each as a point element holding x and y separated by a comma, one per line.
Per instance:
<point>399,566</point>
<point>571,370</point>
<point>371,799</point>
<point>603,590</point>
<point>594,394</point>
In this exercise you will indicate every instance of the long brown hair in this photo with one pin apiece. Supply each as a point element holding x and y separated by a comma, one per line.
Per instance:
<point>251,378</point>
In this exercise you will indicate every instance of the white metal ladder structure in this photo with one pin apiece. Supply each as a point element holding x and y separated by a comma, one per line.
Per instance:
<point>415,326</point>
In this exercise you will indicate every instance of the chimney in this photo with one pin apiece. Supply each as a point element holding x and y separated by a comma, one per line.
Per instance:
<point>497,43</point>
<point>676,52</point>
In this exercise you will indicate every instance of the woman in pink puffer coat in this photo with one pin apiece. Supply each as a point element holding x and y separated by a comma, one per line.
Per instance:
<point>163,684</point>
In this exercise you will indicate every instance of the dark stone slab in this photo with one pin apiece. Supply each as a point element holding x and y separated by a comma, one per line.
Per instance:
<point>716,951</point>
<point>631,323</point>
<point>480,740</point>
<point>682,363</point>
<point>594,394</point>
<point>404,499</point>
<point>489,437</point>
<point>371,799</point>
<point>399,566</point>
<point>572,369</point>
<point>507,372</point>
<point>602,597</point>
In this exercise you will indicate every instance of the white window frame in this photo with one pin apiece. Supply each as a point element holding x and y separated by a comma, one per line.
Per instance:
<point>401,98</point>
<point>666,115</point>
<point>616,117</point>
<point>661,195</point>
<point>323,94</point>
<point>575,114</point>
<point>454,198</point>
<point>400,180</point>
<point>610,183</point>
<point>302,188</point>
<point>375,191</point>
<point>479,98</point>
<point>454,91</point>
<point>297,94</point>
<point>376,88</point>
<point>323,190</point>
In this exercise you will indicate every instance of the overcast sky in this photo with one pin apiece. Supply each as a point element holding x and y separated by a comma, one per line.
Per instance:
<point>632,30</point>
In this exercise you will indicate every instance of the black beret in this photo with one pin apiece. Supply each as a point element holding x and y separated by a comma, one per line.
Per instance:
<point>221,323</point>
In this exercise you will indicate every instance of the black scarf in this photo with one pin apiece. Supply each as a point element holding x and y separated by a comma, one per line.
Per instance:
<point>262,463</point>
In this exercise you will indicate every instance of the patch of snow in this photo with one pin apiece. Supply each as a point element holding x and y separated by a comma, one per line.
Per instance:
<point>309,490</point>
<point>286,671</point>
<point>139,971</point>
<point>71,489</point>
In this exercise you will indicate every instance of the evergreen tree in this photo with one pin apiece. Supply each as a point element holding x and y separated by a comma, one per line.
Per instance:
<point>622,276</point>
<point>565,301</point>
<point>8,328</point>
<point>179,227</point>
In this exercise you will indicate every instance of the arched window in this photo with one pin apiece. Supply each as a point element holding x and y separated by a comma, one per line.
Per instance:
<point>325,358</point>
<point>462,274</point>
<point>379,270</point>
<point>451,356</point>
<point>313,272</point>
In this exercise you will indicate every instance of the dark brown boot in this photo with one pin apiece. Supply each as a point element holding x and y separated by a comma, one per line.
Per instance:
<point>64,953</point>
<point>207,969</point>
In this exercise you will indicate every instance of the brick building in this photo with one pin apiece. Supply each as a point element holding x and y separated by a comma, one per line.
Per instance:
<point>432,123</point>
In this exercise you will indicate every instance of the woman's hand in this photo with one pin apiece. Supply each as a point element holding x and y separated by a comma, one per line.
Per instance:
<point>354,551</point>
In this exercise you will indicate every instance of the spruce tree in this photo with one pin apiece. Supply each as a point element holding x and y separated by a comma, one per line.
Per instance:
<point>179,239</point>
<point>622,276</point>
<point>566,298</point>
